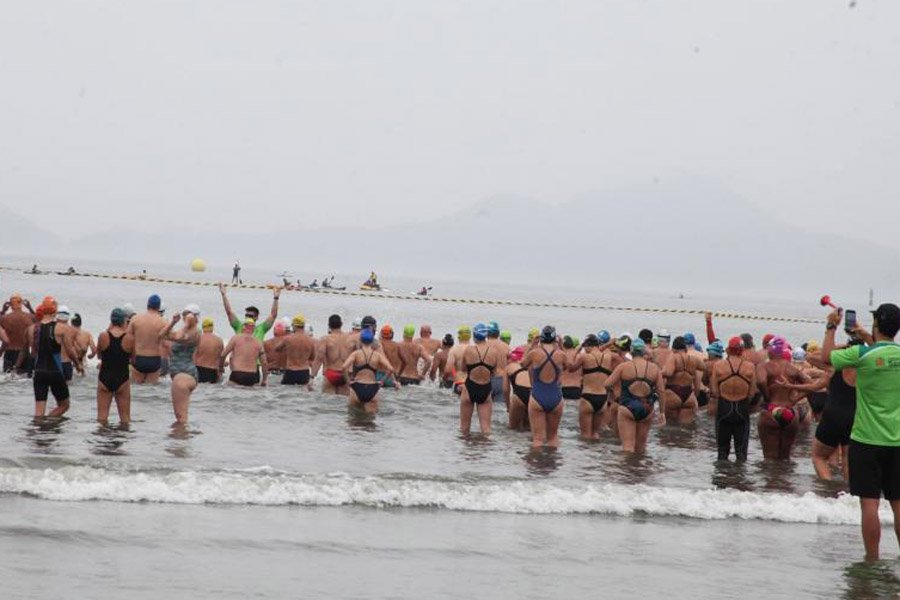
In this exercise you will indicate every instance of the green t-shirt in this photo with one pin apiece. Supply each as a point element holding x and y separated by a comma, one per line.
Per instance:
<point>259,332</point>
<point>877,419</point>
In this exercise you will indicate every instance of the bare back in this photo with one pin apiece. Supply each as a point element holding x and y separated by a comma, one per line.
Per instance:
<point>145,329</point>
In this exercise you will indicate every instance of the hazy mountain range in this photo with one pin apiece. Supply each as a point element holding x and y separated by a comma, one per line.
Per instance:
<point>688,235</point>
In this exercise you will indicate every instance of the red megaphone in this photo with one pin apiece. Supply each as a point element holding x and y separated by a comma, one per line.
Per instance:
<point>826,301</point>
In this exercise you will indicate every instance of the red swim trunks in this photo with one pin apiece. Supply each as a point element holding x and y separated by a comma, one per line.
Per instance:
<point>335,377</point>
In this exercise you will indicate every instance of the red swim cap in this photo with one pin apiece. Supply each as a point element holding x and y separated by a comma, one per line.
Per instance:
<point>517,354</point>
<point>387,332</point>
<point>49,305</point>
<point>766,339</point>
<point>735,346</point>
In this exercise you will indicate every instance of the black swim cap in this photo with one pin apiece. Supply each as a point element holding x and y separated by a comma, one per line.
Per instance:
<point>591,340</point>
<point>646,335</point>
<point>335,322</point>
<point>369,322</point>
<point>448,340</point>
<point>76,320</point>
<point>568,342</point>
<point>747,339</point>
<point>548,334</point>
<point>679,344</point>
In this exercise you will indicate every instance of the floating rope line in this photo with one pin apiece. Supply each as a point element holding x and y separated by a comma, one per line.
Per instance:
<point>417,298</point>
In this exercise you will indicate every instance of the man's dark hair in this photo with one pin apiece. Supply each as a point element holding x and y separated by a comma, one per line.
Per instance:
<point>679,344</point>
<point>747,339</point>
<point>887,318</point>
<point>646,335</point>
<point>335,322</point>
<point>76,320</point>
<point>254,310</point>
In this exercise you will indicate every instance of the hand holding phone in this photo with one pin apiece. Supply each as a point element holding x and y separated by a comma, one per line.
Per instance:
<point>849,320</point>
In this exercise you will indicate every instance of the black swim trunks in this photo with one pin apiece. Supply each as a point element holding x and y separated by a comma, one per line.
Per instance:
<point>147,364</point>
<point>597,401</point>
<point>244,378</point>
<point>409,381</point>
<point>570,392</point>
<point>67,371</point>
<point>207,375</point>
<point>9,360</point>
<point>300,377</point>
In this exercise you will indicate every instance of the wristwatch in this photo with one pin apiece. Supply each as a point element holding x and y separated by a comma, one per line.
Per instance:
<point>830,326</point>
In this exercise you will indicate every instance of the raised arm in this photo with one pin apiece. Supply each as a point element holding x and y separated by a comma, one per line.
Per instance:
<point>228,312</point>
<point>710,334</point>
<point>273,314</point>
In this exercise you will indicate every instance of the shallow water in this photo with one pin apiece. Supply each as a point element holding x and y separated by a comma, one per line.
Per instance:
<point>281,492</point>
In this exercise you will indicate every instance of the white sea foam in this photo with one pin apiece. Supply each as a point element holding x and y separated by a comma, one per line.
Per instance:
<point>269,487</point>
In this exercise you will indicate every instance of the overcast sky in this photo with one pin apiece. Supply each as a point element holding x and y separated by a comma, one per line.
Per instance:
<point>271,114</point>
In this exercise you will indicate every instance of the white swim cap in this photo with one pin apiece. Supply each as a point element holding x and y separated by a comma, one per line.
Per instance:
<point>62,313</point>
<point>193,309</point>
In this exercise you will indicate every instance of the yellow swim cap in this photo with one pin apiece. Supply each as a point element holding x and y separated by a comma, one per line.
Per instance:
<point>465,333</point>
<point>299,320</point>
<point>812,346</point>
<point>248,322</point>
<point>533,333</point>
<point>207,324</point>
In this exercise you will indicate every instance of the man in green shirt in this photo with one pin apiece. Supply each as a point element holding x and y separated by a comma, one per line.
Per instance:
<point>251,312</point>
<point>874,456</point>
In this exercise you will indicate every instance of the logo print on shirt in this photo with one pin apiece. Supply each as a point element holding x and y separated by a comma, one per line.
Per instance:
<point>879,362</point>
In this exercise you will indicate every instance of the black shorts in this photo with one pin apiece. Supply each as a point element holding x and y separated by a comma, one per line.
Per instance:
<point>44,383</point>
<point>244,378</point>
<point>874,470</point>
<point>409,381</point>
<point>300,377</point>
<point>207,375</point>
<point>67,371</point>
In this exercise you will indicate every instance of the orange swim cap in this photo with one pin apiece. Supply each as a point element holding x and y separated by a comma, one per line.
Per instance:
<point>387,332</point>
<point>49,305</point>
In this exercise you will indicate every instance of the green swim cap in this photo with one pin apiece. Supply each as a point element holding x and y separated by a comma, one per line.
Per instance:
<point>409,331</point>
<point>576,341</point>
<point>505,336</point>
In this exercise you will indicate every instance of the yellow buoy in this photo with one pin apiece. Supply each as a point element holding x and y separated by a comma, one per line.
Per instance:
<point>198,264</point>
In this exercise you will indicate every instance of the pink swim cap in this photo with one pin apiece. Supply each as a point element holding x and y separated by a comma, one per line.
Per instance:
<point>279,328</point>
<point>517,354</point>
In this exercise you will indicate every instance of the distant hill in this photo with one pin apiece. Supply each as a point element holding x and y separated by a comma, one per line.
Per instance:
<point>687,235</point>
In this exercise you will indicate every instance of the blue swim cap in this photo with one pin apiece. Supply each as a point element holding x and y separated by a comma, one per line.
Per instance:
<point>493,329</point>
<point>604,336</point>
<point>480,331</point>
<point>366,336</point>
<point>690,339</point>
<point>154,302</point>
<point>698,347</point>
<point>716,349</point>
<point>638,347</point>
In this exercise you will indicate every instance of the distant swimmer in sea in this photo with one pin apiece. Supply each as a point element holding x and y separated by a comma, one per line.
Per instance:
<point>479,362</point>
<point>208,357</point>
<point>251,312</point>
<point>637,384</point>
<point>236,274</point>
<point>114,346</point>
<point>145,330</point>
<point>182,369</point>
<point>300,353</point>
<point>247,357</point>
<point>732,385</point>
<point>360,370</point>
<point>546,361</point>
<point>410,354</point>
<point>333,350</point>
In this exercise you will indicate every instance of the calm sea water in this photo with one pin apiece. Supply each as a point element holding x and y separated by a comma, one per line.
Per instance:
<point>275,493</point>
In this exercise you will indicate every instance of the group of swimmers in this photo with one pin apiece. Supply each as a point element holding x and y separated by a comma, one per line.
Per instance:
<point>621,384</point>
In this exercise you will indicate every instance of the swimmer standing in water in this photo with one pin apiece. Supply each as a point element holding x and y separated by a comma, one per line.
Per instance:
<point>361,369</point>
<point>208,357</point>
<point>333,350</point>
<point>596,366</point>
<point>547,361</point>
<point>636,384</point>
<point>479,362</point>
<point>732,385</point>
<point>145,330</point>
<point>182,369</point>
<point>114,346</point>
<point>247,355</point>
<point>409,354</point>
